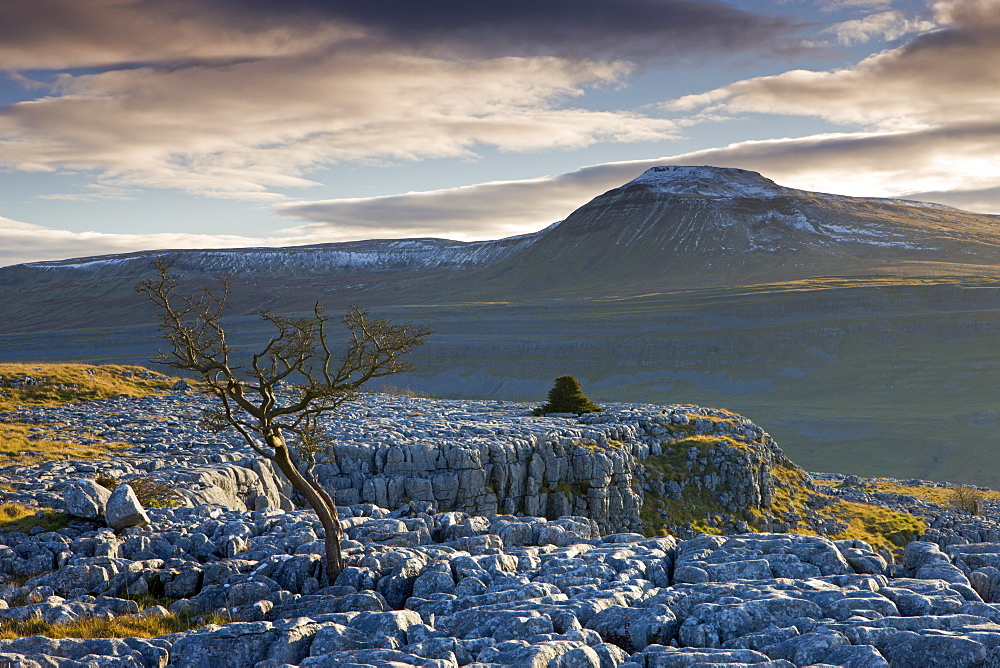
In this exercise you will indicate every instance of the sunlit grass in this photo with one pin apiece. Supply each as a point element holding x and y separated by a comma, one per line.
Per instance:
<point>62,383</point>
<point>124,626</point>
<point>17,448</point>
<point>17,517</point>
<point>877,526</point>
<point>54,384</point>
<point>941,495</point>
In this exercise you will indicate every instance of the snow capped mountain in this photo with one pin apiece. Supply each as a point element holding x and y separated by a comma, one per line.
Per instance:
<point>709,182</point>
<point>673,210</point>
<point>673,227</point>
<point>693,226</point>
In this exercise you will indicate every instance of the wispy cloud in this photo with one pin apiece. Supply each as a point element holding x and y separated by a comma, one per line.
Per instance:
<point>928,106</point>
<point>482,211</point>
<point>205,130</point>
<point>889,25</point>
<point>939,77</point>
<point>245,99</point>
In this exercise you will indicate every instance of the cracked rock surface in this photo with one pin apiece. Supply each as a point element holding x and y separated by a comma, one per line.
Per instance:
<point>428,584</point>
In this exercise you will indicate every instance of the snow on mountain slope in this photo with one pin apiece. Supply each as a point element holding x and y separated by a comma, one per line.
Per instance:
<point>709,182</point>
<point>699,226</point>
<point>347,257</point>
<point>771,217</point>
<point>669,224</point>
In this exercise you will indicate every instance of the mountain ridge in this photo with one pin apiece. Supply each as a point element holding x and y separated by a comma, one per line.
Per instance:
<point>670,182</point>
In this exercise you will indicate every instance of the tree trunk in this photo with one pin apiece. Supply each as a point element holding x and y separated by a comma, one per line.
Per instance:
<point>321,503</point>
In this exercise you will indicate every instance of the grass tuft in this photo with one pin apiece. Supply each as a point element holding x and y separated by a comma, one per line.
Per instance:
<point>16,517</point>
<point>941,494</point>
<point>877,526</point>
<point>151,493</point>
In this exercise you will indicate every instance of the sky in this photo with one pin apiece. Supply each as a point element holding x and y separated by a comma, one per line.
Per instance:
<point>147,124</point>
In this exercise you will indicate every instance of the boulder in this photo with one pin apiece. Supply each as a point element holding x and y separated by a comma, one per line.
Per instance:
<point>124,510</point>
<point>86,499</point>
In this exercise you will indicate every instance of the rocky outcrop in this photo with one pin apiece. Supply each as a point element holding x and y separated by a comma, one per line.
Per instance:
<point>499,459</point>
<point>481,458</point>
<point>450,589</point>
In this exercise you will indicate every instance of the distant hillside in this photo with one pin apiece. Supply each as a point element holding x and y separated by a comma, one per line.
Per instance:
<point>862,333</point>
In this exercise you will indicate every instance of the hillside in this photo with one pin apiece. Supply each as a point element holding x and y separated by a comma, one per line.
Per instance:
<point>861,331</point>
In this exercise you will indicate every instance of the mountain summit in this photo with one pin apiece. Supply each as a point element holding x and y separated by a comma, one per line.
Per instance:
<point>700,226</point>
<point>708,181</point>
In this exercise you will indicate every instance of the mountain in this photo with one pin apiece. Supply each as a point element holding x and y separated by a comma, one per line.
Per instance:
<point>861,332</point>
<point>94,291</point>
<point>673,227</point>
<point>713,227</point>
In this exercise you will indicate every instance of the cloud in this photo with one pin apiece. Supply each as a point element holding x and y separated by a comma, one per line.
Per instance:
<point>210,131</point>
<point>939,77</point>
<point>26,242</point>
<point>889,25</point>
<point>626,29</point>
<point>59,34</point>
<point>50,34</point>
<point>481,211</point>
<point>53,34</point>
<point>834,5</point>
<point>244,98</point>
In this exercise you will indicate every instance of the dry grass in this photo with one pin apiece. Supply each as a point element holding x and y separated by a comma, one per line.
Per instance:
<point>125,626</point>
<point>15,517</point>
<point>60,383</point>
<point>877,526</point>
<point>17,448</point>
<point>941,495</point>
<point>151,493</point>
<point>54,384</point>
<point>966,499</point>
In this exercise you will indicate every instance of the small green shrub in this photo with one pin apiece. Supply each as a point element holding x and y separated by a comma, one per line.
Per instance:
<point>566,396</point>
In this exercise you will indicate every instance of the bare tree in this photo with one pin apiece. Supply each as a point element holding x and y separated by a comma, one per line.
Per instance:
<point>299,359</point>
